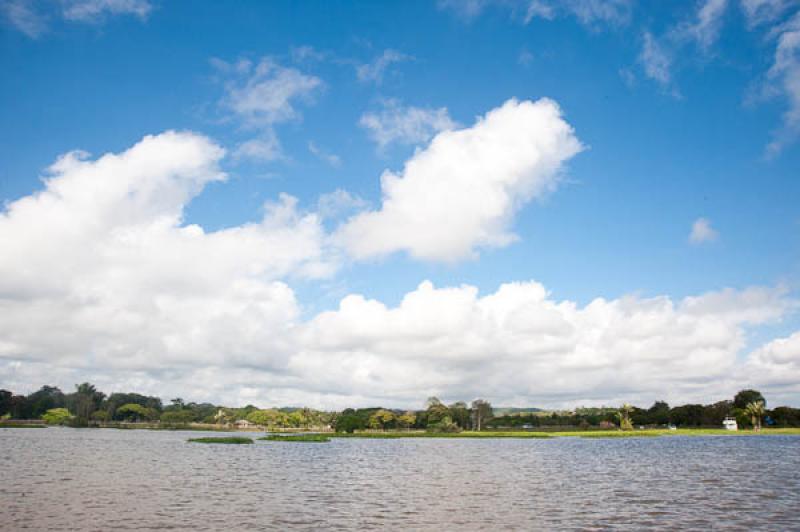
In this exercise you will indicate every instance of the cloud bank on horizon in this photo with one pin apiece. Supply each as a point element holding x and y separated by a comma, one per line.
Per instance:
<point>107,276</point>
<point>101,278</point>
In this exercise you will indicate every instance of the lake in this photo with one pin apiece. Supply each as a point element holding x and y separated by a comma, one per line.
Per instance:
<point>69,479</point>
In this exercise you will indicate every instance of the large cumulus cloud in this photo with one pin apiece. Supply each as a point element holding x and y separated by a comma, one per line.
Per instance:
<point>102,279</point>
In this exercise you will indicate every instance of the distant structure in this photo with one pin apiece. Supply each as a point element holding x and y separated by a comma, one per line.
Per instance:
<point>244,424</point>
<point>730,424</point>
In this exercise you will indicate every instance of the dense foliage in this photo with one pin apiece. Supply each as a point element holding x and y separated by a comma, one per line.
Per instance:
<point>87,406</point>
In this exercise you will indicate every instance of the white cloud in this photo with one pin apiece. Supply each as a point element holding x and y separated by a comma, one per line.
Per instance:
<point>97,10</point>
<point>396,123</point>
<point>461,192</point>
<point>101,279</point>
<point>265,93</point>
<point>705,28</point>
<point>519,346</point>
<point>265,147</point>
<point>764,11</point>
<point>785,73</point>
<point>376,70</point>
<point>776,366</point>
<point>655,60</point>
<point>22,15</point>
<point>99,270</point>
<point>261,96</point>
<point>31,18</point>
<point>324,155</point>
<point>702,232</point>
<point>590,13</point>
<point>338,202</point>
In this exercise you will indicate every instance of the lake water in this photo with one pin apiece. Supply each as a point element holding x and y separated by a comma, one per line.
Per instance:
<point>67,479</point>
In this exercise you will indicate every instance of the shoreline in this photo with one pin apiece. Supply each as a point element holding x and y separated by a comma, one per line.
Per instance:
<point>390,435</point>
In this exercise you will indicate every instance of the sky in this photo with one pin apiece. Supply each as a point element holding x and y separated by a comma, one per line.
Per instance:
<point>549,203</point>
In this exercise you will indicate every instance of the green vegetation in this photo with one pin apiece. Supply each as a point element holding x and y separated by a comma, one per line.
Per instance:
<point>315,438</point>
<point>235,440</point>
<point>419,434</point>
<point>11,425</point>
<point>617,433</point>
<point>57,416</point>
<point>87,406</point>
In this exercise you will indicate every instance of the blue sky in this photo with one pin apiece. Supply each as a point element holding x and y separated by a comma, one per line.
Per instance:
<point>685,111</point>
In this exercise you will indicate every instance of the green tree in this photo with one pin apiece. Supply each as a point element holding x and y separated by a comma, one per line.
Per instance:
<point>624,416</point>
<point>44,399</point>
<point>461,415</point>
<point>382,419</point>
<point>177,417</point>
<point>446,424</point>
<point>481,413</point>
<point>436,410</point>
<point>755,411</point>
<point>56,416</point>
<point>136,412</point>
<point>268,418</point>
<point>745,397</point>
<point>407,420</point>
<point>84,401</point>
<point>5,402</point>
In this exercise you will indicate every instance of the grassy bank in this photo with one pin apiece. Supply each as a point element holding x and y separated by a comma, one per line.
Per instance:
<point>229,440</point>
<point>419,434</point>
<point>22,426</point>
<point>571,434</point>
<point>315,438</point>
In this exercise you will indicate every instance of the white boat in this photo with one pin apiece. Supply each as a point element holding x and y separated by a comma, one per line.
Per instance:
<point>730,424</point>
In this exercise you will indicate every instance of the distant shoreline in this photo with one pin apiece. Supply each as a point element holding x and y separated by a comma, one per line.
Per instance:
<point>489,434</point>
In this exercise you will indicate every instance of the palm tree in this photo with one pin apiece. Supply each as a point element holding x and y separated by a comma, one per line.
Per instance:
<point>756,411</point>
<point>624,416</point>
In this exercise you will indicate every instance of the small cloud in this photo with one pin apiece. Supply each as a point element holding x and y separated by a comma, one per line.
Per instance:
<point>396,123</point>
<point>628,77</point>
<point>324,155</point>
<point>702,232</point>
<point>31,19</point>
<point>655,60</point>
<point>266,147</point>
<point>338,203</point>
<point>704,28</point>
<point>22,16</point>
<point>376,70</point>
<point>260,96</point>
<point>300,54</point>
<point>94,11</point>
<point>525,58</point>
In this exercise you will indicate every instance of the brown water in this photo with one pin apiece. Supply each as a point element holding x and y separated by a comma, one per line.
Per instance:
<point>66,479</point>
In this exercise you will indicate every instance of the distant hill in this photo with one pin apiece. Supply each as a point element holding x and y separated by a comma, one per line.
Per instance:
<point>506,410</point>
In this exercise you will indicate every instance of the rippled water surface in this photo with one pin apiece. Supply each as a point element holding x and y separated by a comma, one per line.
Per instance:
<point>67,479</point>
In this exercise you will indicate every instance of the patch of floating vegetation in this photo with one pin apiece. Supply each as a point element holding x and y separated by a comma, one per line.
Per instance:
<point>315,438</point>
<point>235,440</point>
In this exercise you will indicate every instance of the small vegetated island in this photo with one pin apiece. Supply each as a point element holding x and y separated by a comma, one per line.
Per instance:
<point>310,438</point>
<point>230,440</point>
<point>86,406</point>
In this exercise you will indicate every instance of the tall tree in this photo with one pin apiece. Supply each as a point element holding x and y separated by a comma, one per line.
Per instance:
<point>481,413</point>
<point>756,412</point>
<point>85,401</point>
<point>745,397</point>
<point>624,416</point>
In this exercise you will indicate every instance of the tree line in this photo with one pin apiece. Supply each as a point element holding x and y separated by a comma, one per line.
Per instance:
<point>87,406</point>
